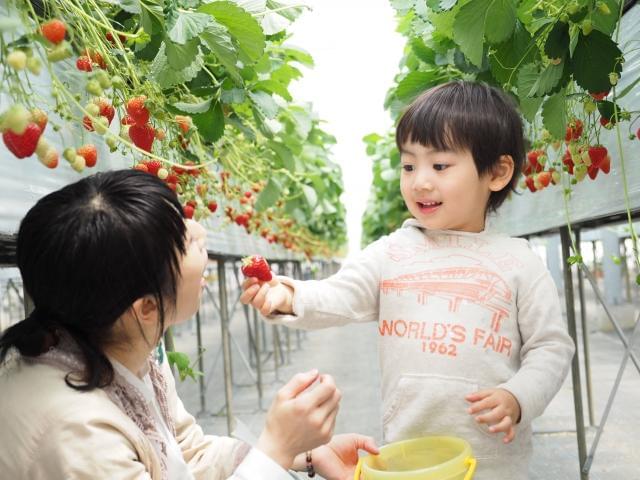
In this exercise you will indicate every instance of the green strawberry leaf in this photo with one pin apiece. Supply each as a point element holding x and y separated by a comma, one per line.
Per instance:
<point>188,25</point>
<point>244,29</point>
<point>596,55</point>
<point>218,40</point>
<point>199,107</point>
<point>554,115</point>
<point>166,76</point>
<point>210,123</point>
<point>557,44</point>
<point>414,83</point>
<point>547,81</point>
<point>264,103</point>
<point>181,56</point>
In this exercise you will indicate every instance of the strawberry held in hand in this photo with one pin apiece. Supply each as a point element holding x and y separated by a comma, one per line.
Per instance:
<point>256,266</point>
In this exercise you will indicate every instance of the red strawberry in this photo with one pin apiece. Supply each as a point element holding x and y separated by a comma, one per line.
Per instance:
<point>171,178</point>
<point>127,120</point>
<point>25,144</point>
<point>39,117</point>
<point>256,266</point>
<point>544,178</point>
<point>574,130</point>
<point>95,57</point>
<point>89,153</point>
<point>172,186</point>
<point>84,64</point>
<point>184,122</point>
<point>213,206</point>
<point>53,30</point>
<point>153,166</point>
<point>109,36</point>
<point>50,158</point>
<point>530,184</point>
<point>242,219</point>
<point>106,109</point>
<point>568,161</point>
<point>593,172</point>
<point>605,166</point>
<point>142,167</point>
<point>137,111</point>
<point>599,96</point>
<point>142,136</point>
<point>188,211</point>
<point>597,155</point>
<point>638,134</point>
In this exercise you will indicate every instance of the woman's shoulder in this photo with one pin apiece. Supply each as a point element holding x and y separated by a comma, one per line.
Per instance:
<point>37,399</point>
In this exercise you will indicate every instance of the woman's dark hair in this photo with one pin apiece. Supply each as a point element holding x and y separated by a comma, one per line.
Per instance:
<point>86,252</point>
<point>463,115</point>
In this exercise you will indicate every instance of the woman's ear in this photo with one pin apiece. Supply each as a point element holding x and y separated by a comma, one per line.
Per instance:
<point>146,310</point>
<point>501,173</point>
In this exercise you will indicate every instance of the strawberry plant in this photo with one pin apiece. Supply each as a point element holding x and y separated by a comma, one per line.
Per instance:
<point>194,92</point>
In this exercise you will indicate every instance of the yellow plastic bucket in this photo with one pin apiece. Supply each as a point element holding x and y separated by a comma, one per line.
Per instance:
<point>425,458</point>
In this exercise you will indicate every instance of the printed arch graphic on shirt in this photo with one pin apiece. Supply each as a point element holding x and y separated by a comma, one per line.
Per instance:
<point>456,283</point>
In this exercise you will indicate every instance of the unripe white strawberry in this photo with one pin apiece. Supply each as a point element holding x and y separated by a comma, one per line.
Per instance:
<point>78,164</point>
<point>17,60</point>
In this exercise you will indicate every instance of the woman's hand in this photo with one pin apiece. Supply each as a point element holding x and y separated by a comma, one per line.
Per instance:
<point>300,418</point>
<point>337,459</point>
<point>267,297</point>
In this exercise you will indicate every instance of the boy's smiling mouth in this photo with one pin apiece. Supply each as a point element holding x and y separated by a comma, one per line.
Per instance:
<point>428,207</point>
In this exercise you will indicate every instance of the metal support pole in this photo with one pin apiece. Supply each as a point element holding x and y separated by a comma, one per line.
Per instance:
<point>585,337</point>
<point>575,363</point>
<point>625,270</point>
<point>226,346</point>
<point>612,396</point>
<point>276,350</point>
<point>203,405</point>
<point>258,356</point>
<point>614,322</point>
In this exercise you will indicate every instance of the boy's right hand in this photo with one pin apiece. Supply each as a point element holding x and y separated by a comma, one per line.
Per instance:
<point>267,297</point>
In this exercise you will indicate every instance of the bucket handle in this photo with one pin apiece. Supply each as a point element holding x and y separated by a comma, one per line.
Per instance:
<point>356,476</point>
<point>471,462</point>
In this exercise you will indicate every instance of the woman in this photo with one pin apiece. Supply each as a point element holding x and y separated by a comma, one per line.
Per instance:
<point>110,263</point>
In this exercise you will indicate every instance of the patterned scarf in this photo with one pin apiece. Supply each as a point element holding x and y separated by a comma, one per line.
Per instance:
<point>67,356</point>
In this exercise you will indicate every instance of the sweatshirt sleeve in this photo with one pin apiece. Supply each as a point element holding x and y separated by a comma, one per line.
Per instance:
<point>351,295</point>
<point>547,348</point>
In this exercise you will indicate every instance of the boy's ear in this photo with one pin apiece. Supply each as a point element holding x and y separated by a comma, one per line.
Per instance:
<point>146,309</point>
<point>501,173</point>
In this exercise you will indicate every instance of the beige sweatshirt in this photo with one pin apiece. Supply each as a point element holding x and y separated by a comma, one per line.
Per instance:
<point>456,312</point>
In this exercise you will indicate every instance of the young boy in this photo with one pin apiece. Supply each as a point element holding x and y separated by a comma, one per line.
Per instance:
<point>471,338</point>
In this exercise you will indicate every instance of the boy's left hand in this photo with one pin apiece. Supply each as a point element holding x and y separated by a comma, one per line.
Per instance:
<point>502,411</point>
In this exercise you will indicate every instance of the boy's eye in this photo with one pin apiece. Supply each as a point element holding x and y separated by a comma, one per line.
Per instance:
<point>407,168</point>
<point>439,166</point>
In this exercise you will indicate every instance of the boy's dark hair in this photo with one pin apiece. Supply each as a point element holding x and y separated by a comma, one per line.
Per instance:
<point>86,252</point>
<point>463,115</point>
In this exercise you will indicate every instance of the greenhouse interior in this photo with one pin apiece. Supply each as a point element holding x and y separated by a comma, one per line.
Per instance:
<point>319,166</point>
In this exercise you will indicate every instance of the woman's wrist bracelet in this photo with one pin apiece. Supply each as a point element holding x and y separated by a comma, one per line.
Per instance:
<point>310,471</point>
